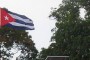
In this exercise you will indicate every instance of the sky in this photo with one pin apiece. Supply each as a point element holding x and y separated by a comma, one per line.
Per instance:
<point>38,11</point>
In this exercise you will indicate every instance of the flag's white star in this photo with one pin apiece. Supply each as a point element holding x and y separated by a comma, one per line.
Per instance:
<point>6,17</point>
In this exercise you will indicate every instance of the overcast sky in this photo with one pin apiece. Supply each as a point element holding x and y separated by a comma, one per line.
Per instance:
<point>38,11</point>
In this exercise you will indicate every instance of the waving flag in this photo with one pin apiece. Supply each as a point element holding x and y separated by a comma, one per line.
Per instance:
<point>18,21</point>
<point>5,18</point>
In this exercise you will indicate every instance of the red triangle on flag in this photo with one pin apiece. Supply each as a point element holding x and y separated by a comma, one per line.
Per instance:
<point>5,17</point>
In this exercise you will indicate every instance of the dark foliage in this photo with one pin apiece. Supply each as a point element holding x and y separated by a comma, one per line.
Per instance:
<point>19,39</point>
<point>72,33</point>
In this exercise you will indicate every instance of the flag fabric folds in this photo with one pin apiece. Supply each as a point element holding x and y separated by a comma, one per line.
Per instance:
<point>20,22</point>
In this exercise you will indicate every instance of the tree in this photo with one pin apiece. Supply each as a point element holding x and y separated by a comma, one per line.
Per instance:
<point>72,34</point>
<point>19,40</point>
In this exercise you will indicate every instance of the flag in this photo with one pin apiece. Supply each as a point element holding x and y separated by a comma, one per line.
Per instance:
<point>5,18</point>
<point>21,22</point>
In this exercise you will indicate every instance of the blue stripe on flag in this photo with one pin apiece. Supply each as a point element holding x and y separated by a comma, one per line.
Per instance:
<point>24,17</point>
<point>19,28</point>
<point>19,21</point>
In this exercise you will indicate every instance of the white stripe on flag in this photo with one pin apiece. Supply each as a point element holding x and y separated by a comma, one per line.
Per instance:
<point>21,25</point>
<point>19,18</point>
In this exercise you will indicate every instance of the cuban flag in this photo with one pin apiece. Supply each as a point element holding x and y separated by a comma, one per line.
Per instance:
<point>16,21</point>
